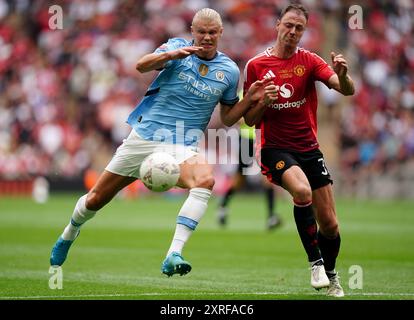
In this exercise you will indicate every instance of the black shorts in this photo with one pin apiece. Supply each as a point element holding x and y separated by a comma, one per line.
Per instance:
<point>274,162</point>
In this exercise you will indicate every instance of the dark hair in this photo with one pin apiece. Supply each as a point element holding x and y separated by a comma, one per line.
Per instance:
<point>297,7</point>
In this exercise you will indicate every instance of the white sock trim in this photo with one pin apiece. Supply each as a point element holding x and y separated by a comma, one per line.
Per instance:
<point>189,216</point>
<point>194,207</point>
<point>79,217</point>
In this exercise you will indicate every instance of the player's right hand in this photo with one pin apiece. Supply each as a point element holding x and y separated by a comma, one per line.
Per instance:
<point>184,52</point>
<point>271,93</point>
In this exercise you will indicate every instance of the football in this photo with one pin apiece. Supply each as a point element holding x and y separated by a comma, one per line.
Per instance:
<point>159,171</point>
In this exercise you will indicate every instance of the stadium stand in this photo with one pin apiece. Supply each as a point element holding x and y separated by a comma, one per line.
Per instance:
<point>65,94</point>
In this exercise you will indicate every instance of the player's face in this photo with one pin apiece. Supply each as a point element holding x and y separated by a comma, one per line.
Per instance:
<point>291,28</point>
<point>206,34</point>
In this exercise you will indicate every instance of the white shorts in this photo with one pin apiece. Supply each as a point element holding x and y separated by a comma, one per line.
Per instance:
<point>130,154</point>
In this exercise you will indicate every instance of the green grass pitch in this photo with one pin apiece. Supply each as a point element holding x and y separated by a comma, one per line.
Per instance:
<point>119,253</point>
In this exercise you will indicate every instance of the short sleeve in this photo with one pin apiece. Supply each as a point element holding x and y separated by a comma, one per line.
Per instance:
<point>321,71</point>
<point>230,96</point>
<point>170,45</point>
<point>249,77</point>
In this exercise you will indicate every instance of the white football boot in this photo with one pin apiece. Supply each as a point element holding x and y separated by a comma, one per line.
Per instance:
<point>335,289</point>
<point>319,279</point>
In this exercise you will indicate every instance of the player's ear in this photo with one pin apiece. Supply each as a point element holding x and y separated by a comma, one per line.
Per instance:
<point>277,25</point>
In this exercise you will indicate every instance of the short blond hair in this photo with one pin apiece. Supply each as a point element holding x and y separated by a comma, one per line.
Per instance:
<point>208,14</point>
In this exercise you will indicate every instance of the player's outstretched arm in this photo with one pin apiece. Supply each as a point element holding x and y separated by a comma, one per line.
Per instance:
<point>157,61</point>
<point>230,115</point>
<point>341,81</point>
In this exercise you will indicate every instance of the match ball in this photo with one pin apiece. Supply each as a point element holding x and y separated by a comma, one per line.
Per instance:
<point>159,171</point>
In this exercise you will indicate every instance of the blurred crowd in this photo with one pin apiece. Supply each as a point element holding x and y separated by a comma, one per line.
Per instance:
<point>377,128</point>
<point>65,94</point>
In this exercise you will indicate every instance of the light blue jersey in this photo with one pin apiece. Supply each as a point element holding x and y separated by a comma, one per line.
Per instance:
<point>179,102</point>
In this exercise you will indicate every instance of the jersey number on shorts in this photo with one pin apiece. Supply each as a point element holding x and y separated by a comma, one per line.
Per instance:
<point>325,171</point>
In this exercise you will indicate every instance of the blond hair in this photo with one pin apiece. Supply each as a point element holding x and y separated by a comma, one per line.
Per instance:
<point>208,14</point>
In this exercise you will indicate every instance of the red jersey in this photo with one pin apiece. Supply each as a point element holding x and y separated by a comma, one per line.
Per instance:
<point>291,121</point>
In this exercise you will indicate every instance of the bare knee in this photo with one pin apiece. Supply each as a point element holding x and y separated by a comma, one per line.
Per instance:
<point>205,181</point>
<point>302,194</point>
<point>94,201</point>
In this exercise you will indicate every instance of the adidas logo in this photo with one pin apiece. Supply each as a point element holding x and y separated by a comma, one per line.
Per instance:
<point>269,75</point>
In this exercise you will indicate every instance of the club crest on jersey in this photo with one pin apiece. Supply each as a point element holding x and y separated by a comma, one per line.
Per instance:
<point>220,75</point>
<point>299,70</point>
<point>203,69</point>
<point>280,165</point>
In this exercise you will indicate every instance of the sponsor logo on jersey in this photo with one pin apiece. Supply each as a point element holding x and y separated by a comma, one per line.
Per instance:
<point>286,90</point>
<point>198,87</point>
<point>299,70</point>
<point>280,165</point>
<point>203,69</point>
<point>287,105</point>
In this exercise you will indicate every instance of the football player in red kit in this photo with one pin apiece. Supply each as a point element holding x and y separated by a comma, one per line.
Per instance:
<point>288,151</point>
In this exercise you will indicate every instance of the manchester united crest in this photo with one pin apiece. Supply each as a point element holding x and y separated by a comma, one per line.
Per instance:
<point>299,70</point>
<point>280,165</point>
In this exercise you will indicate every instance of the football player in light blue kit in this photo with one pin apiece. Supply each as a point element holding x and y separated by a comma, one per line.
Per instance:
<point>172,116</point>
<point>184,95</point>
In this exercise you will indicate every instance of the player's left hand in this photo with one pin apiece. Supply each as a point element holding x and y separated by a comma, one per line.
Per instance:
<point>339,64</point>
